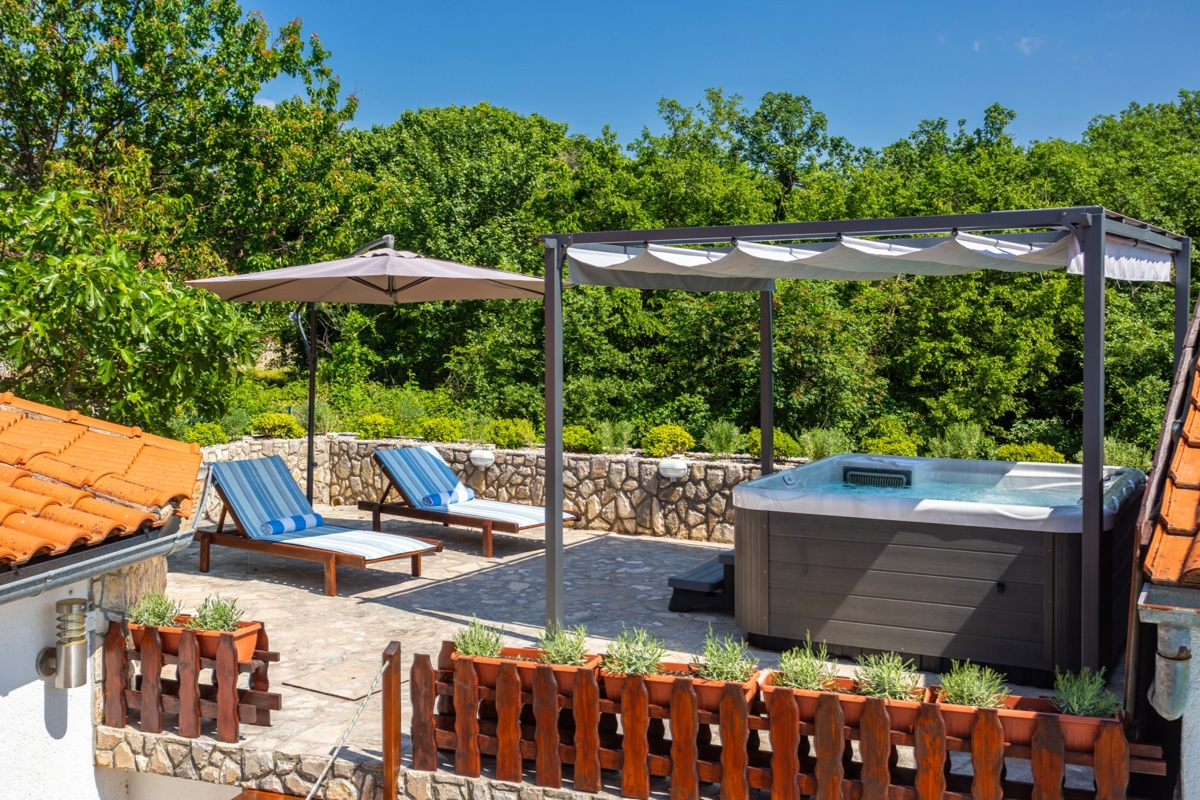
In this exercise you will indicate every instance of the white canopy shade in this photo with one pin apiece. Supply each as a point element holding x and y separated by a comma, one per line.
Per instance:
<point>749,266</point>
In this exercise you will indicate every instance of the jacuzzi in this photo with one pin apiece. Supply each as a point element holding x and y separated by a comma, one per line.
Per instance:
<point>935,558</point>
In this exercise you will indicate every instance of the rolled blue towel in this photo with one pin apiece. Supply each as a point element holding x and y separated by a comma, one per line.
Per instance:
<point>288,524</point>
<point>460,494</point>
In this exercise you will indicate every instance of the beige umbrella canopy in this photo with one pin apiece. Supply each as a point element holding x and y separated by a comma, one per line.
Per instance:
<point>382,276</point>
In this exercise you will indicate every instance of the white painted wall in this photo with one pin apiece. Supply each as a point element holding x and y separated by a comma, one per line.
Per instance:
<point>46,746</point>
<point>117,784</point>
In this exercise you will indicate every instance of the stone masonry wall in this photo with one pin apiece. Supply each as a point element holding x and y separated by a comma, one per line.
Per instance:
<point>619,493</point>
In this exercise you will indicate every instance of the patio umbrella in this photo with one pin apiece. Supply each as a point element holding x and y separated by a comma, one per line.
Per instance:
<point>381,276</point>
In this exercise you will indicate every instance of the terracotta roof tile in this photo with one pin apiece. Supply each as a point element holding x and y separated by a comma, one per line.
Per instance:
<point>1173,558</point>
<point>70,481</point>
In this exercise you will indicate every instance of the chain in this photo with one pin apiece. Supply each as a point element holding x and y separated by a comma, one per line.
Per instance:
<point>313,791</point>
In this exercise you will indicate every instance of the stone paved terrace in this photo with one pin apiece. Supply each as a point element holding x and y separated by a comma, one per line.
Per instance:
<point>329,644</point>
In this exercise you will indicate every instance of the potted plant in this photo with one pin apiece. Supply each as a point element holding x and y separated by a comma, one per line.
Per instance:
<point>563,648</point>
<point>639,652</point>
<point>1082,702</point>
<point>808,673</point>
<point>725,660</point>
<point>890,677</point>
<point>213,617</point>
<point>965,688</point>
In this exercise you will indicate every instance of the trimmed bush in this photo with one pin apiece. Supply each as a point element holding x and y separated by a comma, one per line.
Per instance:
<point>440,429</point>
<point>1033,451</point>
<point>578,439</point>
<point>960,440</point>
<point>236,423</point>
<point>277,425</point>
<point>509,434</point>
<point>785,445</point>
<point>722,438</point>
<point>375,426</point>
<point>890,445</point>
<point>667,440</point>
<point>614,436</point>
<point>205,434</point>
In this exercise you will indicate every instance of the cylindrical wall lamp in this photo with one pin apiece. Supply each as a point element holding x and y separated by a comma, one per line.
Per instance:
<point>67,660</point>
<point>482,458</point>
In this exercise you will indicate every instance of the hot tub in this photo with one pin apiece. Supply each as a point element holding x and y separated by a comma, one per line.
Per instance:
<point>936,558</point>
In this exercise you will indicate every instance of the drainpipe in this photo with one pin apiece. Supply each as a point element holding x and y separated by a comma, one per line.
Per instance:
<point>1172,671</point>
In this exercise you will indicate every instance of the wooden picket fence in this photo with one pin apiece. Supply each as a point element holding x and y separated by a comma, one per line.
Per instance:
<point>452,713</point>
<point>185,695</point>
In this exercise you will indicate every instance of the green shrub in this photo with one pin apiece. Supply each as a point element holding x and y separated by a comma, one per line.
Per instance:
<point>563,646</point>
<point>375,426</point>
<point>205,434</point>
<point>968,684</point>
<point>722,438</point>
<point>1122,454</point>
<point>177,427</point>
<point>886,675</point>
<point>440,429</point>
<point>478,639</point>
<point>960,440</point>
<point>1083,694</point>
<point>818,443</point>
<point>806,667</point>
<point>323,415</point>
<point>725,659</point>
<point>635,652</point>
<point>666,440</point>
<point>1033,451</point>
<point>578,439</point>
<point>614,436</point>
<point>890,446</point>
<point>509,434</point>
<point>475,426</point>
<point>784,445</point>
<point>216,614</point>
<point>235,423</point>
<point>156,609</point>
<point>279,426</point>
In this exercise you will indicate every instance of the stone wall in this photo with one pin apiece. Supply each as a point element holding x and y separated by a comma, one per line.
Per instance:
<point>265,770</point>
<point>619,493</point>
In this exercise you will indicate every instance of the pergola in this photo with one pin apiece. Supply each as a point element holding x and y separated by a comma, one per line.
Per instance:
<point>735,258</point>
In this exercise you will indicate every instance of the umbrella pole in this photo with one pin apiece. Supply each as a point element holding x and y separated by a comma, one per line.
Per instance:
<point>312,396</point>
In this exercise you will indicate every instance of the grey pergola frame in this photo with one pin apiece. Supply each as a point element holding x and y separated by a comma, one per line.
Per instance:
<point>1091,224</point>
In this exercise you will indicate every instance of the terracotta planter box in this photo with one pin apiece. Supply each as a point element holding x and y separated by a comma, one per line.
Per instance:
<point>708,693</point>
<point>244,638</point>
<point>658,687</point>
<point>527,659</point>
<point>902,713</point>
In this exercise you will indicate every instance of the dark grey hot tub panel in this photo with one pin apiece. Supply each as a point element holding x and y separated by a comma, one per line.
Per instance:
<point>995,596</point>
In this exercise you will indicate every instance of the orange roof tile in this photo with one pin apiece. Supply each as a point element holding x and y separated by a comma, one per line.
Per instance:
<point>68,480</point>
<point>1173,558</point>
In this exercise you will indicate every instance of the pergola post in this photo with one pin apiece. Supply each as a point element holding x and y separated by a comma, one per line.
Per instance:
<point>1091,595</point>
<point>1183,278</point>
<point>554,445</point>
<point>312,398</point>
<point>766,380</point>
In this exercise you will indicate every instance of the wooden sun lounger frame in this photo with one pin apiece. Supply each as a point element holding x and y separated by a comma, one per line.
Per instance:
<point>407,508</point>
<point>330,559</point>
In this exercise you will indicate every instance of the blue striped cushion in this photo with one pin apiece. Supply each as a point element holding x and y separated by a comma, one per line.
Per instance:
<point>421,474</point>
<point>523,515</point>
<point>288,524</point>
<point>260,490</point>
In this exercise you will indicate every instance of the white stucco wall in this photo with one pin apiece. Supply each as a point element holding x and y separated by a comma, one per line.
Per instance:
<point>45,733</point>
<point>116,784</point>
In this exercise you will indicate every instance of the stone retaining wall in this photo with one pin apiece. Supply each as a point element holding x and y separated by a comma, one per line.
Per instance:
<point>270,771</point>
<point>619,493</point>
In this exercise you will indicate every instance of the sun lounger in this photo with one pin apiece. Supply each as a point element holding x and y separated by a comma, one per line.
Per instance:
<point>258,491</point>
<point>420,476</point>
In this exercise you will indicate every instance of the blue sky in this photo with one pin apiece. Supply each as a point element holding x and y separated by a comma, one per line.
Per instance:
<point>875,68</point>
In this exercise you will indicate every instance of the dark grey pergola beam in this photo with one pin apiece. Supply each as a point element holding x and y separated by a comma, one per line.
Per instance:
<point>1091,224</point>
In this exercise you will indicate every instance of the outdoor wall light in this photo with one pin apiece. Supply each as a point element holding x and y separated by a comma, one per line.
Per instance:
<point>67,661</point>
<point>672,468</point>
<point>482,458</point>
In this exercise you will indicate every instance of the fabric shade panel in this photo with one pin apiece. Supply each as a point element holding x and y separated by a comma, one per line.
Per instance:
<point>381,277</point>
<point>749,266</point>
